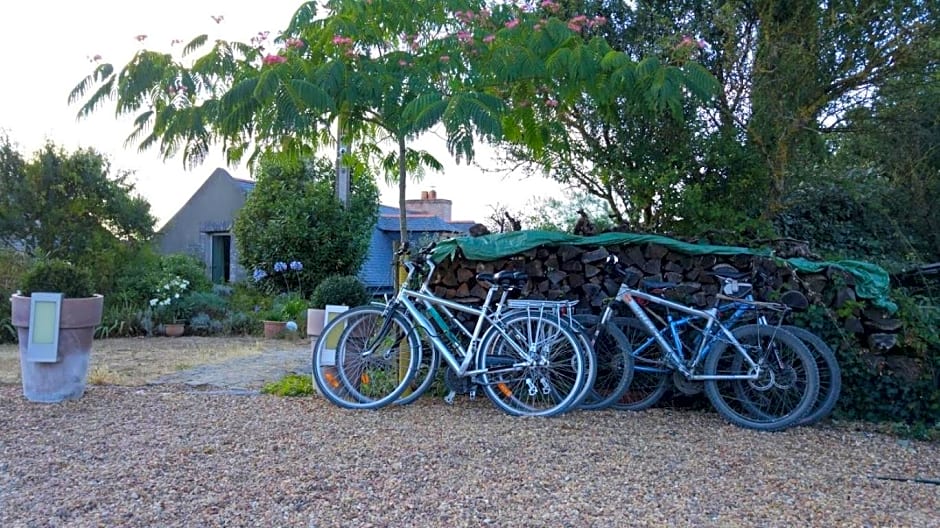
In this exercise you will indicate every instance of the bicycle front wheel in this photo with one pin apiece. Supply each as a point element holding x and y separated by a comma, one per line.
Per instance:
<point>366,357</point>
<point>534,367</point>
<point>650,371</point>
<point>784,390</point>
<point>614,363</point>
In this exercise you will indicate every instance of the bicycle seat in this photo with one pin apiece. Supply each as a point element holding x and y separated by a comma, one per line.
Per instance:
<point>505,278</point>
<point>727,272</point>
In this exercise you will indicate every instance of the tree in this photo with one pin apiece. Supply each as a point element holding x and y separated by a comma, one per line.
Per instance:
<point>293,215</point>
<point>68,205</point>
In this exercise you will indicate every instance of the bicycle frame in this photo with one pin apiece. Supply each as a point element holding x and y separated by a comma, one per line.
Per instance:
<point>629,297</point>
<point>406,297</point>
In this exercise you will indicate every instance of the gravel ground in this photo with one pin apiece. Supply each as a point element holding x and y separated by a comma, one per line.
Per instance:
<point>168,455</point>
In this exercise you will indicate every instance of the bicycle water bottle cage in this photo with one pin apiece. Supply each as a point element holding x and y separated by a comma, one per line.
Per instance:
<point>505,278</point>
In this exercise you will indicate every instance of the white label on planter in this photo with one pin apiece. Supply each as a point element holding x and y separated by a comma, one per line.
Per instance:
<point>44,311</point>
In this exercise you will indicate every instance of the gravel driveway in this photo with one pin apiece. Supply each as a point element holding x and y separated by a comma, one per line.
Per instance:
<point>167,455</point>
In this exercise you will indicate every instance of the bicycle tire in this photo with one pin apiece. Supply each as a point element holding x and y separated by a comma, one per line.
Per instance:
<point>650,374</point>
<point>614,363</point>
<point>352,379</point>
<point>830,374</point>
<point>428,366</point>
<point>546,389</point>
<point>767,403</point>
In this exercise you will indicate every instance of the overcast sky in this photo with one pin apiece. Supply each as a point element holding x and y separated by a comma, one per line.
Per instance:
<point>48,46</point>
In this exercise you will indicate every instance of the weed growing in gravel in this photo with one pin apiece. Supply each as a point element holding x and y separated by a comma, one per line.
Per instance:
<point>290,385</point>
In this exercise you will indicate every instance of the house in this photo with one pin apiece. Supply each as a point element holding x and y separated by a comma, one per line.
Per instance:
<point>203,228</point>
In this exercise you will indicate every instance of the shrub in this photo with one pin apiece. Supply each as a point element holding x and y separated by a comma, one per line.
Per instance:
<point>290,385</point>
<point>56,275</point>
<point>344,290</point>
<point>293,215</point>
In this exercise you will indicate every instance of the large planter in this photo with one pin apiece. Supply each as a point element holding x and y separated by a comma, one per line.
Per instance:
<point>64,379</point>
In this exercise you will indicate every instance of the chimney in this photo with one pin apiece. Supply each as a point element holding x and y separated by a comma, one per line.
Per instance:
<point>432,205</point>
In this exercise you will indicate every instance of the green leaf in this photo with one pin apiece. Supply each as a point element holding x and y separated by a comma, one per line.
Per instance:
<point>309,96</point>
<point>195,44</point>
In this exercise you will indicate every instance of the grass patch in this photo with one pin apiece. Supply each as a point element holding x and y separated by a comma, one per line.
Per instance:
<point>290,385</point>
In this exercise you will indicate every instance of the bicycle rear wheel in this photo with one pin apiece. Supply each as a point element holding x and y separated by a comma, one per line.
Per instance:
<point>830,374</point>
<point>544,378</point>
<point>786,386</point>
<point>365,358</point>
<point>650,371</point>
<point>614,363</point>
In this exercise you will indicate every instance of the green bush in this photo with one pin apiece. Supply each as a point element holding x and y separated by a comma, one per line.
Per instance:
<point>293,216</point>
<point>290,385</point>
<point>54,275</point>
<point>122,317</point>
<point>189,268</point>
<point>13,266</point>
<point>200,302</point>
<point>344,290</point>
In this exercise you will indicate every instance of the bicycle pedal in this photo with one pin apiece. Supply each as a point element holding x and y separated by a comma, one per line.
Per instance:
<point>451,396</point>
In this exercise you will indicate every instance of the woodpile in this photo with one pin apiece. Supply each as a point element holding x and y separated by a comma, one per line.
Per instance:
<point>569,272</point>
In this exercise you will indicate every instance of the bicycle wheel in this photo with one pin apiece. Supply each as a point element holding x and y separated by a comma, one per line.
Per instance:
<point>614,363</point>
<point>830,374</point>
<point>544,378</point>
<point>650,371</point>
<point>365,359</point>
<point>783,392</point>
<point>428,366</point>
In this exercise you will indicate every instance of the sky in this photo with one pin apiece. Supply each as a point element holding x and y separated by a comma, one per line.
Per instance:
<point>49,49</point>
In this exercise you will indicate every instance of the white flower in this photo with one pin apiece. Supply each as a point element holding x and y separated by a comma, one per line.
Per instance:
<point>153,302</point>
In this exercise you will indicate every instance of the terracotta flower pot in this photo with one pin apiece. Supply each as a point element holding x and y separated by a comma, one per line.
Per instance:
<point>64,379</point>
<point>273,329</point>
<point>174,329</point>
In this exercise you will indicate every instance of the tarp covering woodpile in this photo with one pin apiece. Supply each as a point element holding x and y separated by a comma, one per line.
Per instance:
<point>872,282</point>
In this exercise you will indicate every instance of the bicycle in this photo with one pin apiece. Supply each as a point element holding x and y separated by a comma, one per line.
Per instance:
<point>526,365</point>
<point>757,376</point>
<point>737,298</point>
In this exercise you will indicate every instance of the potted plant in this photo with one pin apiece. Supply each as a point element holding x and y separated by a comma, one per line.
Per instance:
<point>65,376</point>
<point>285,311</point>
<point>335,290</point>
<point>166,306</point>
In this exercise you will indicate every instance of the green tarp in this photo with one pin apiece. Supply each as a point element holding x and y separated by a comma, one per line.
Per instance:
<point>871,281</point>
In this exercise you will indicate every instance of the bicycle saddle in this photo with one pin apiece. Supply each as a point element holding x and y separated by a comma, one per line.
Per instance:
<point>505,278</point>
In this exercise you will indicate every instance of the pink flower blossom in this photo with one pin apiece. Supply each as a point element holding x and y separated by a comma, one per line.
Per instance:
<point>294,43</point>
<point>701,44</point>
<point>489,38</point>
<point>599,21</point>
<point>512,23</point>
<point>550,5</point>
<point>402,62</point>
<point>340,40</point>
<point>551,102</point>
<point>273,59</point>
<point>141,38</point>
<point>464,36</point>
<point>445,58</point>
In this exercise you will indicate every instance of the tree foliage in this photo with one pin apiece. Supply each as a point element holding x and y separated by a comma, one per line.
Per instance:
<point>292,215</point>
<point>70,206</point>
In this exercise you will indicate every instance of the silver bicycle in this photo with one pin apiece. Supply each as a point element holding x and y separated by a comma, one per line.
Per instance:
<point>526,363</point>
